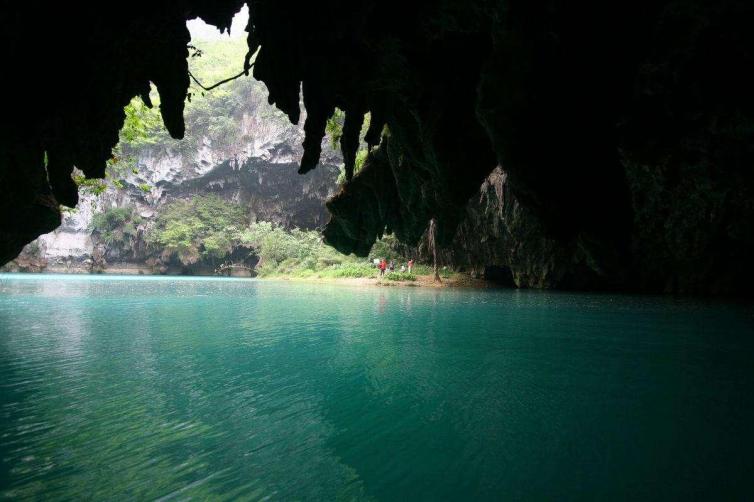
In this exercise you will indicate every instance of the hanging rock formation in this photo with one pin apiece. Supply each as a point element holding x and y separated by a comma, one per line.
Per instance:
<point>626,131</point>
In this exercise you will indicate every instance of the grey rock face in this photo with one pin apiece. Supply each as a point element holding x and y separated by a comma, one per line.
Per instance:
<point>501,239</point>
<point>257,171</point>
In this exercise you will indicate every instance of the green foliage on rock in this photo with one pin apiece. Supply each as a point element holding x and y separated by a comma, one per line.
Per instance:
<point>116,226</point>
<point>299,253</point>
<point>334,127</point>
<point>203,227</point>
<point>334,131</point>
<point>361,157</point>
<point>94,186</point>
<point>143,125</point>
<point>388,247</point>
<point>216,116</point>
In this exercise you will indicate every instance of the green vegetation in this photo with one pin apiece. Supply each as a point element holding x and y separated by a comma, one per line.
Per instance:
<point>205,227</point>
<point>361,157</point>
<point>89,186</point>
<point>350,270</point>
<point>334,127</point>
<point>334,130</point>
<point>142,125</point>
<point>211,231</point>
<point>389,248</point>
<point>400,276</point>
<point>116,226</point>
<point>207,230</point>
<point>299,253</point>
<point>141,128</point>
<point>422,269</point>
<point>213,116</point>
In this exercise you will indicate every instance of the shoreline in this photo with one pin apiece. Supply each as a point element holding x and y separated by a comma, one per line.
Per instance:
<point>456,280</point>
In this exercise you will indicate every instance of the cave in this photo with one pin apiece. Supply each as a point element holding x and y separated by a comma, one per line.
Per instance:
<point>613,143</point>
<point>356,250</point>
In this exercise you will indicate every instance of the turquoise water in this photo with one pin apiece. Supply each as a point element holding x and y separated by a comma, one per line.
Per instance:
<point>149,388</point>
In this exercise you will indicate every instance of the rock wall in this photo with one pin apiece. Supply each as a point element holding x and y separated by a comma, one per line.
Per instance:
<point>258,172</point>
<point>501,240</point>
<point>625,130</point>
<point>688,230</point>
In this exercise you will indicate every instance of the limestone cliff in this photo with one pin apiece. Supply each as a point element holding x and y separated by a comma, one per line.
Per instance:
<point>625,129</point>
<point>256,170</point>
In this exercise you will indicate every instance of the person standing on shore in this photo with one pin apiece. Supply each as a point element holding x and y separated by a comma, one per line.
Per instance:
<point>410,265</point>
<point>383,266</point>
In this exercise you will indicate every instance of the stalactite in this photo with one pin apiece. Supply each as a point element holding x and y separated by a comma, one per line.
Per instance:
<point>635,148</point>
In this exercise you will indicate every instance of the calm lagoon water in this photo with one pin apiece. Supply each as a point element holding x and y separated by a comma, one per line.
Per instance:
<point>147,388</point>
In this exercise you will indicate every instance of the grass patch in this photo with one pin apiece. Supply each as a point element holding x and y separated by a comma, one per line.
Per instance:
<point>349,270</point>
<point>419,269</point>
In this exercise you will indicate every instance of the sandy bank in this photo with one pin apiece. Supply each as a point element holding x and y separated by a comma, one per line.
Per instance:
<point>426,281</point>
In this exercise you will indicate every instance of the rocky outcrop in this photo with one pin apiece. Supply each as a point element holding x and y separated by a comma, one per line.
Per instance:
<point>625,131</point>
<point>257,170</point>
<point>505,242</point>
<point>686,235</point>
<point>625,149</point>
<point>70,108</point>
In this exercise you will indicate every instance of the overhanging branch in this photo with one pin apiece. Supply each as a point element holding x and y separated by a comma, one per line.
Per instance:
<point>245,71</point>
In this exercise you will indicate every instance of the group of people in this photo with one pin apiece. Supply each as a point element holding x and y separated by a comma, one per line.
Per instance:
<point>384,265</point>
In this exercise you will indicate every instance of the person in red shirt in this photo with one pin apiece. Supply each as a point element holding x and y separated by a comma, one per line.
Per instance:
<point>410,265</point>
<point>383,265</point>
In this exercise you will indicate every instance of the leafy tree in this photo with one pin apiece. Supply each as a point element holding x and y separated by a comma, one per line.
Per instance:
<point>203,227</point>
<point>400,276</point>
<point>388,247</point>
<point>116,226</point>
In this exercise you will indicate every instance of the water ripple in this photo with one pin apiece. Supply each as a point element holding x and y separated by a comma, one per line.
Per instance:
<point>158,388</point>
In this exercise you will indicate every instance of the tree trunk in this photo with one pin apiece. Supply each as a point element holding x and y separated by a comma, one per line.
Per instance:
<point>432,229</point>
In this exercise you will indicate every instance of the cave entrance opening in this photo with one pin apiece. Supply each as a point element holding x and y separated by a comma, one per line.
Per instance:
<point>223,200</point>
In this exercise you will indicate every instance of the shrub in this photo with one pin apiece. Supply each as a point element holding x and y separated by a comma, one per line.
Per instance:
<point>351,270</point>
<point>400,276</point>
<point>116,226</point>
<point>420,269</point>
<point>388,247</point>
<point>203,227</point>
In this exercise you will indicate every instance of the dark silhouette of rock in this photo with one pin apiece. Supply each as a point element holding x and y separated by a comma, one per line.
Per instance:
<point>625,130</point>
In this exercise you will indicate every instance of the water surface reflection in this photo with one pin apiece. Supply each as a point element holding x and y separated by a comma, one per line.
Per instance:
<point>223,389</point>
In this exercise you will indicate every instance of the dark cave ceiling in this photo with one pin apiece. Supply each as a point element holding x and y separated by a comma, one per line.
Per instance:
<point>599,113</point>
